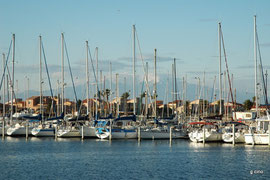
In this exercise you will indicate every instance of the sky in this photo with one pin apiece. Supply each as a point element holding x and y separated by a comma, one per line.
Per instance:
<point>181,29</point>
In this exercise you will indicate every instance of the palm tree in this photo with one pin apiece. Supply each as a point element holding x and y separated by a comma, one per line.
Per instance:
<point>125,96</point>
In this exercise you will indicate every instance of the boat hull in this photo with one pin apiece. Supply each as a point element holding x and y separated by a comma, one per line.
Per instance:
<point>47,132</point>
<point>209,136</point>
<point>88,132</point>
<point>228,138</point>
<point>260,139</point>
<point>161,135</point>
<point>68,133</point>
<point>117,134</point>
<point>18,131</point>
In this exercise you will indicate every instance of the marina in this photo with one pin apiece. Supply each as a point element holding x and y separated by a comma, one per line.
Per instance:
<point>97,117</point>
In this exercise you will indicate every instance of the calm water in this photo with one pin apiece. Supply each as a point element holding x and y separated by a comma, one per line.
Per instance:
<point>45,158</point>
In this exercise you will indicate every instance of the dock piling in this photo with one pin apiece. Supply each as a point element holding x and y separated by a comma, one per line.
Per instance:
<point>55,132</point>
<point>269,134</point>
<point>170,134</point>
<point>203,134</point>
<point>110,137</point>
<point>27,129</point>
<point>82,132</point>
<point>139,133</point>
<point>233,129</point>
<point>3,128</point>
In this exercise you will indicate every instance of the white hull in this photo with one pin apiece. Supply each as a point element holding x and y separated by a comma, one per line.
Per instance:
<point>18,131</point>
<point>124,135</point>
<point>211,136</point>
<point>260,139</point>
<point>88,131</point>
<point>156,134</point>
<point>68,133</point>
<point>47,132</point>
<point>118,135</point>
<point>228,138</point>
<point>104,135</point>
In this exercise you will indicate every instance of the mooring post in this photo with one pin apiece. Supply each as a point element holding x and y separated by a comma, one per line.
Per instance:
<point>26,133</point>
<point>55,131</point>
<point>269,134</point>
<point>3,128</point>
<point>82,132</point>
<point>203,134</point>
<point>110,137</point>
<point>170,134</point>
<point>139,133</point>
<point>233,129</point>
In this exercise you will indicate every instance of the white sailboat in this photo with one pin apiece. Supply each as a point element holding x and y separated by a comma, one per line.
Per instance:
<point>121,128</point>
<point>44,131</point>
<point>88,131</point>
<point>260,133</point>
<point>207,132</point>
<point>238,135</point>
<point>68,131</point>
<point>162,133</point>
<point>19,130</point>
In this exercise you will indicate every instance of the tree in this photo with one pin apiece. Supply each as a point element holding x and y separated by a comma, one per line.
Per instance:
<point>98,94</point>
<point>107,93</point>
<point>248,104</point>
<point>48,109</point>
<point>79,102</point>
<point>253,99</point>
<point>125,95</point>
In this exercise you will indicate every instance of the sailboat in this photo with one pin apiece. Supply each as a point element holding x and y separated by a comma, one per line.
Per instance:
<point>239,134</point>
<point>69,128</point>
<point>121,128</point>
<point>18,129</point>
<point>259,132</point>
<point>204,131</point>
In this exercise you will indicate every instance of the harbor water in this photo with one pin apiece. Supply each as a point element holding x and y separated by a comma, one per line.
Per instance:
<point>46,158</point>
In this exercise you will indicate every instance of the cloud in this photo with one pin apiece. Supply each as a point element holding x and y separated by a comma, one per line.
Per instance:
<point>251,67</point>
<point>147,57</point>
<point>34,68</point>
<point>201,72</point>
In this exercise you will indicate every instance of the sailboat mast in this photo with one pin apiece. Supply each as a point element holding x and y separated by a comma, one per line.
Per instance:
<point>97,82</point>
<point>87,78</point>
<point>155,83</point>
<point>40,78</point>
<point>62,67</point>
<point>4,88</point>
<point>175,83</point>
<point>220,83</point>
<point>110,88</point>
<point>12,80</point>
<point>204,93</point>
<point>146,94</point>
<point>117,96</point>
<point>255,61</point>
<point>134,94</point>
<point>173,89</point>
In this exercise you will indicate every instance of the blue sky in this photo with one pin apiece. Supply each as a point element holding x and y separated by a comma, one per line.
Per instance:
<point>185,30</point>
